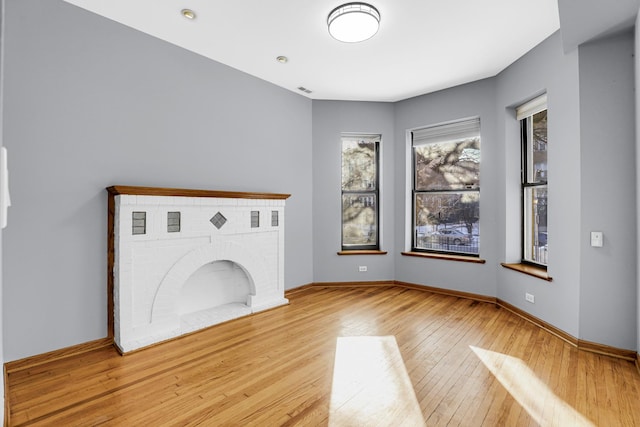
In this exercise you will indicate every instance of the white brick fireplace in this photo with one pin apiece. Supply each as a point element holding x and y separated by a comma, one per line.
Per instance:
<point>183,260</point>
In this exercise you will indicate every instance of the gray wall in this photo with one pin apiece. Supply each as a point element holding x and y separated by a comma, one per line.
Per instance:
<point>330,119</point>
<point>474,99</point>
<point>581,21</point>
<point>608,199</point>
<point>90,103</point>
<point>545,68</point>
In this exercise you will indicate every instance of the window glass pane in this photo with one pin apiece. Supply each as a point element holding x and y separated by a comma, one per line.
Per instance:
<point>537,149</point>
<point>359,223</point>
<point>447,221</point>
<point>358,163</point>
<point>535,220</point>
<point>448,165</point>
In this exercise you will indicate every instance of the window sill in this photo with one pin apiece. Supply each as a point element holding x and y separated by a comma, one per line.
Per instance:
<point>448,257</point>
<point>363,252</point>
<point>531,270</point>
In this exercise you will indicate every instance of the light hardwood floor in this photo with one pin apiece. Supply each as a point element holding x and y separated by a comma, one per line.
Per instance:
<point>366,356</point>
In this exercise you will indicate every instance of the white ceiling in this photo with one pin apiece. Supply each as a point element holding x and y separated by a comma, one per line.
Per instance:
<point>422,45</point>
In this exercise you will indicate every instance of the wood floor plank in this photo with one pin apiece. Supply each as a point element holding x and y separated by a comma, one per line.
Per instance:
<point>450,360</point>
<point>458,388</point>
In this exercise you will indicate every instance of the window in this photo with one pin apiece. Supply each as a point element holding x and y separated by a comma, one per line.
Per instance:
<point>533,126</point>
<point>360,192</point>
<point>446,188</point>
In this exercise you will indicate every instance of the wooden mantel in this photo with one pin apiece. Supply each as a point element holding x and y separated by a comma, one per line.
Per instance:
<point>181,192</point>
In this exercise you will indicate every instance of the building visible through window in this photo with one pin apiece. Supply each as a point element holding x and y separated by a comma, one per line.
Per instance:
<point>533,126</point>
<point>446,188</point>
<point>360,192</point>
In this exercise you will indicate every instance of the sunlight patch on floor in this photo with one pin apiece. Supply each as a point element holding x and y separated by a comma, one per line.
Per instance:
<point>529,391</point>
<point>371,385</point>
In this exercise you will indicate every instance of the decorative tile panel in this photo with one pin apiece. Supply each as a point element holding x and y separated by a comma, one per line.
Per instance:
<point>218,220</point>
<point>139,222</point>
<point>173,222</point>
<point>255,219</point>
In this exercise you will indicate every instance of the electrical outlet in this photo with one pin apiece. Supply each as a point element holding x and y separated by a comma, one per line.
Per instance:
<point>597,239</point>
<point>362,268</point>
<point>529,297</point>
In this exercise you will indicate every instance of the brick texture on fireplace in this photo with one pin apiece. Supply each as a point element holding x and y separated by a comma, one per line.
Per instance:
<point>238,262</point>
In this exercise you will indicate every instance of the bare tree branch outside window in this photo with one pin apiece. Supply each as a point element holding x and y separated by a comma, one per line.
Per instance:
<point>360,191</point>
<point>447,195</point>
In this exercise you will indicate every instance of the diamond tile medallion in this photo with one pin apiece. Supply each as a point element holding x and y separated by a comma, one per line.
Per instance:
<point>218,220</point>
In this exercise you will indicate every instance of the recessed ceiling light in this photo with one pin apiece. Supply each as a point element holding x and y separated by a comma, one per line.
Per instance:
<point>353,22</point>
<point>188,13</point>
<point>282,59</point>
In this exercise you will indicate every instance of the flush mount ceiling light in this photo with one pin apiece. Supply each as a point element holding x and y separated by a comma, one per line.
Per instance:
<point>282,59</point>
<point>353,22</point>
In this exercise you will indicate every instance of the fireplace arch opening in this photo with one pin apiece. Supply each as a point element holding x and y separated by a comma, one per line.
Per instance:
<point>214,284</point>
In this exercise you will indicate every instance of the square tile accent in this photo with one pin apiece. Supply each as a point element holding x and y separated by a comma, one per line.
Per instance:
<point>218,220</point>
<point>255,219</point>
<point>173,222</point>
<point>139,222</point>
<point>274,218</point>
